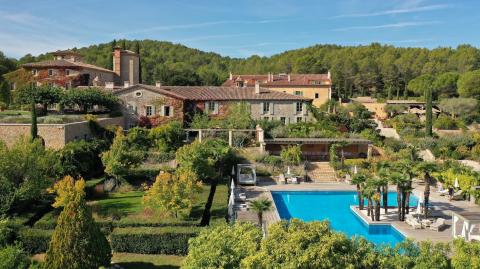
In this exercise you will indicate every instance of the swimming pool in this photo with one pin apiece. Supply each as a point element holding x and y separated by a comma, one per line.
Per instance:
<point>335,207</point>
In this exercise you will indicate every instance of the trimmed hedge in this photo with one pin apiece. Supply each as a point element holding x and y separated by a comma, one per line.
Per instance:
<point>147,240</point>
<point>35,240</point>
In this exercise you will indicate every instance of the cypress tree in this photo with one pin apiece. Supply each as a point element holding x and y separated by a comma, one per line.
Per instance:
<point>34,127</point>
<point>428,111</point>
<point>137,51</point>
<point>77,242</point>
<point>110,59</point>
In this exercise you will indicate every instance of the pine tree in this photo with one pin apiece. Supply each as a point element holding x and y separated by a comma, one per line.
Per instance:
<point>124,44</point>
<point>137,51</point>
<point>428,111</point>
<point>77,242</point>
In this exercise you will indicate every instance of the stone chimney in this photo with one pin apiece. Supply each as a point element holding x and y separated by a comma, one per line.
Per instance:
<point>117,54</point>
<point>269,77</point>
<point>158,84</point>
<point>126,84</point>
<point>257,87</point>
<point>329,75</point>
<point>289,78</point>
<point>231,76</point>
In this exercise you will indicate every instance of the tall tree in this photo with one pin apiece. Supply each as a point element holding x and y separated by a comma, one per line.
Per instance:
<point>137,51</point>
<point>469,85</point>
<point>34,125</point>
<point>426,169</point>
<point>428,111</point>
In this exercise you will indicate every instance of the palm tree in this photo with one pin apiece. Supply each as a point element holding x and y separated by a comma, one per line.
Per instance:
<point>426,169</point>
<point>359,180</point>
<point>382,171</point>
<point>401,181</point>
<point>260,206</point>
<point>369,191</point>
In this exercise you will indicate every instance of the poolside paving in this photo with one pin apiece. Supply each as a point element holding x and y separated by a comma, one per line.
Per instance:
<point>442,207</point>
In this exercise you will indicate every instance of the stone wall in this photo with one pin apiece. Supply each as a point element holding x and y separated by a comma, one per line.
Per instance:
<point>54,135</point>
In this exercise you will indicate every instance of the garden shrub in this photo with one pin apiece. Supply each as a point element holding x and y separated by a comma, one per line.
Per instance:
<point>291,155</point>
<point>168,137</point>
<point>13,257</point>
<point>447,123</point>
<point>164,240</point>
<point>35,240</point>
<point>8,232</point>
<point>82,158</point>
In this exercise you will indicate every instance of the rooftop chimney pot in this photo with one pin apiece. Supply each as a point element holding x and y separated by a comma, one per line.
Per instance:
<point>158,84</point>
<point>289,78</point>
<point>257,87</point>
<point>231,76</point>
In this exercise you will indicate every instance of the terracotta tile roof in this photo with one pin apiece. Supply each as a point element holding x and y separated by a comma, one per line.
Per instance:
<point>64,64</point>
<point>207,93</point>
<point>281,80</point>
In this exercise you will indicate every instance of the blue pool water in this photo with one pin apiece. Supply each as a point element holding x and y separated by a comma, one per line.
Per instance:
<point>334,206</point>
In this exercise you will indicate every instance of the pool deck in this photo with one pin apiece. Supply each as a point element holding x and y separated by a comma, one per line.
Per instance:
<point>442,207</point>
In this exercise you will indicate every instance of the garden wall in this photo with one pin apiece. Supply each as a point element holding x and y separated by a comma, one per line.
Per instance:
<point>54,135</point>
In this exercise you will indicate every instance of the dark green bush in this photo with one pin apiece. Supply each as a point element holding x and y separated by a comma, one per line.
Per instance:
<point>81,158</point>
<point>447,123</point>
<point>165,240</point>
<point>13,257</point>
<point>35,240</point>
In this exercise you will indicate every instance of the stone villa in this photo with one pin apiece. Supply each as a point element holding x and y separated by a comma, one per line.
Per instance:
<point>317,87</point>
<point>166,103</point>
<point>68,70</point>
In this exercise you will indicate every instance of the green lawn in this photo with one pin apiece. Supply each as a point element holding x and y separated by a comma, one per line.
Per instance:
<point>127,206</point>
<point>142,261</point>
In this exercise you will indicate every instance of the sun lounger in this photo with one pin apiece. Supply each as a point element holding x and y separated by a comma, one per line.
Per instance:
<point>458,195</point>
<point>442,192</point>
<point>438,224</point>
<point>412,221</point>
<point>241,197</point>
<point>292,180</point>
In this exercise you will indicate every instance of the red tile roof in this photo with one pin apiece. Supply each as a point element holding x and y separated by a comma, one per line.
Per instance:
<point>64,64</point>
<point>281,80</point>
<point>207,93</point>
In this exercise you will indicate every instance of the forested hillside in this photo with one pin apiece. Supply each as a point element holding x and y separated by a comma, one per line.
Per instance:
<point>379,70</point>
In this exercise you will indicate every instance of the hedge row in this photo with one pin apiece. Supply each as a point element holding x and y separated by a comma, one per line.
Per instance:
<point>147,240</point>
<point>35,240</point>
<point>49,223</point>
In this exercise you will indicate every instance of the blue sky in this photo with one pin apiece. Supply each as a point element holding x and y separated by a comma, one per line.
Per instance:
<point>237,28</point>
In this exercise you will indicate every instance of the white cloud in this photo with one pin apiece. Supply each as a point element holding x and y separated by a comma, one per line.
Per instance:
<point>387,26</point>
<point>411,9</point>
<point>192,25</point>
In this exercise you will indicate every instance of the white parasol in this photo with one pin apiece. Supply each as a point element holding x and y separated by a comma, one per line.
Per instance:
<point>419,207</point>
<point>231,199</point>
<point>233,170</point>
<point>288,170</point>
<point>456,185</point>
<point>355,171</point>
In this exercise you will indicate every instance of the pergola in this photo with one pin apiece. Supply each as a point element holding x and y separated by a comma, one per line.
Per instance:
<point>469,221</point>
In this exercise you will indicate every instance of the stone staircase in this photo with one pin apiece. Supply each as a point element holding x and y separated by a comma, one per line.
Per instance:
<point>321,172</point>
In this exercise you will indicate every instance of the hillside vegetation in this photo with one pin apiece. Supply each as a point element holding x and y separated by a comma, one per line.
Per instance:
<point>379,70</point>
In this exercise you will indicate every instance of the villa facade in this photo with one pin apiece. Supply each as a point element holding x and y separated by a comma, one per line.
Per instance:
<point>317,87</point>
<point>167,103</point>
<point>68,70</point>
